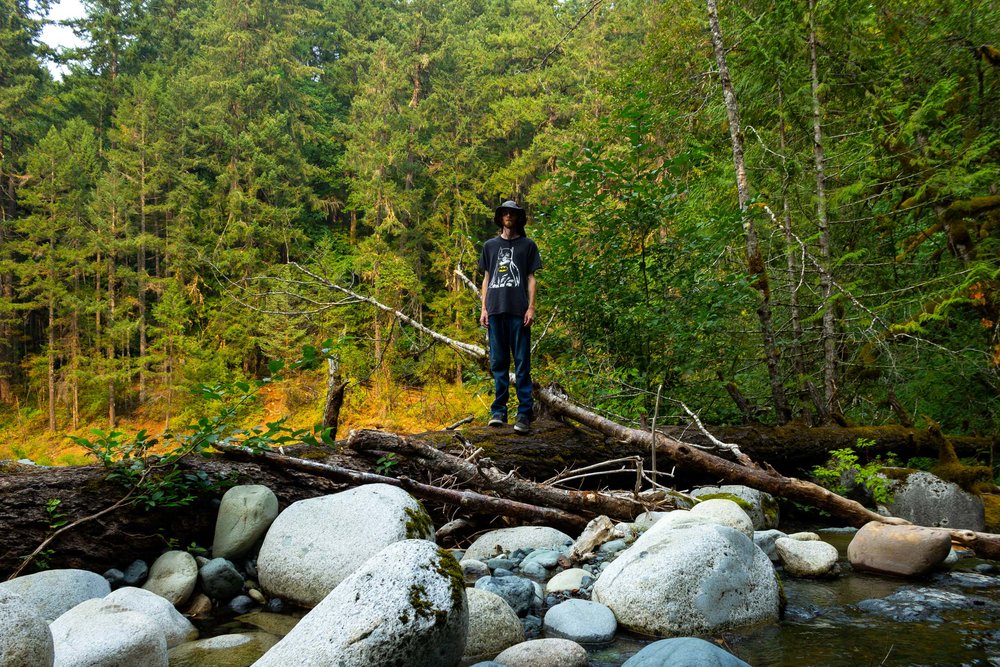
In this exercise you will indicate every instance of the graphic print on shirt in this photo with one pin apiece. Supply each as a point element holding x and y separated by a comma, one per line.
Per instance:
<point>505,273</point>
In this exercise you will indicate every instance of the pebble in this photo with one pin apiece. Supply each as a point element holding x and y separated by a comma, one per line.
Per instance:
<point>136,573</point>
<point>241,604</point>
<point>116,578</point>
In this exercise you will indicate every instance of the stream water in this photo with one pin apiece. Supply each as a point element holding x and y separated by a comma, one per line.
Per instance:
<point>824,627</point>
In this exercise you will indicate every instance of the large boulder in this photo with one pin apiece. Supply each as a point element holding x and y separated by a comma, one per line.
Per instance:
<point>405,606</point>
<point>928,500</point>
<point>98,632</point>
<point>245,514</point>
<point>700,579</point>
<point>176,629</point>
<point>761,507</point>
<point>25,640</point>
<point>493,626</point>
<point>906,551</point>
<point>173,576</point>
<point>683,652</point>
<point>54,592</point>
<point>316,543</point>
<point>508,540</point>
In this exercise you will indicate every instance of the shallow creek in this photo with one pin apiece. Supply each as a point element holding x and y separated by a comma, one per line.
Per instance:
<point>824,627</point>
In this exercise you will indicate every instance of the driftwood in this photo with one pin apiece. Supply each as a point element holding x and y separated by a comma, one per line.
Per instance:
<point>467,500</point>
<point>985,545</point>
<point>485,476</point>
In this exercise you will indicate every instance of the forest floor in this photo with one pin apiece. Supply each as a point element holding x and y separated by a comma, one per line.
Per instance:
<point>400,409</point>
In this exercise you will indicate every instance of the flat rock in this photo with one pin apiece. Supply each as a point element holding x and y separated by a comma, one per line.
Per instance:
<point>581,621</point>
<point>25,640</point>
<point>683,652</point>
<point>568,580</point>
<point>302,563</point>
<point>54,592</point>
<point>509,540</point>
<point>404,606</point>
<point>545,653</point>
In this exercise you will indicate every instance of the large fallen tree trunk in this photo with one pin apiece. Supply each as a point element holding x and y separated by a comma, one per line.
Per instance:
<point>985,545</point>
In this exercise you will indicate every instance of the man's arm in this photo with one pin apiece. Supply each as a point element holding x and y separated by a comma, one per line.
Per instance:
<point>484,317</point>
<point>529,315</point>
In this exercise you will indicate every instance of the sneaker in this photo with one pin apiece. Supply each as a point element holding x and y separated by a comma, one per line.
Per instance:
<point>497,419</point>
<point>523,424</point>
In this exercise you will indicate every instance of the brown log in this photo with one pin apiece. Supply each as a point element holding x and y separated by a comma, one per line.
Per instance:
<point>484,476</point>
<point>465,499</point>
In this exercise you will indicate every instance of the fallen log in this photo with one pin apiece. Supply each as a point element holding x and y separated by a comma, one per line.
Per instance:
<point>985,545</point>
<point>487,477</point>
<point>465,499</point>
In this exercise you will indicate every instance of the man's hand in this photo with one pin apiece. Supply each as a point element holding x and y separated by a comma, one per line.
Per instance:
<point>529,316</point>
<point>484,318</point>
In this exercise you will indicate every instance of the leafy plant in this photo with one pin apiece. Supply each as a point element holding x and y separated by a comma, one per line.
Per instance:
<point>385,464</point>
<point>845,470</point>
<point>57,519</point>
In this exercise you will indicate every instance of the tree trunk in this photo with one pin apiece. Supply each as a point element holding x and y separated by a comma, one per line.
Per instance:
<point>755,260</point>
<point>826,279</point>
<point>335,388</point>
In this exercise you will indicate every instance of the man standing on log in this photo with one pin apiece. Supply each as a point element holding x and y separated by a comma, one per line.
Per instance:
<point>509,262</point>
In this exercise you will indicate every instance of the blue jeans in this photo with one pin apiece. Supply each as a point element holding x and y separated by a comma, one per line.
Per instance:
<point>508,334</point>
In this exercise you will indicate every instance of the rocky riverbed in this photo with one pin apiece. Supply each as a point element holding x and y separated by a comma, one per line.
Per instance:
<point>355,578</point>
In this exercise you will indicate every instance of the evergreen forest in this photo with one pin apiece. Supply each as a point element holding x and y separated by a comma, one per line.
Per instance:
<point>766,211</point>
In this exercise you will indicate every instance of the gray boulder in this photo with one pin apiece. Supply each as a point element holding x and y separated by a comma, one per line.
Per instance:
<point>176,629</point>
<point>807,558</point>
<point>545,653</point>
<point>316,543</point>
<point>405,606</point>
<point>493,626</point>
<point>54,592</point>
<point>98,632</point>
<point>683,652</point>
<point>765,540</point>
<point>173,576</point>
<point>25,640</point>
<point>761,507</point>
<point>518,592</point>
<point>582,621</point>
<point>508,540</point>
<point>701,579</point>
<point>928,500</point>
<point>245,514</point>
<point>220,580</point>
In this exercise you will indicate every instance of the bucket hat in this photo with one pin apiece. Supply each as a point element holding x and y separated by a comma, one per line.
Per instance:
<point>510,205</point>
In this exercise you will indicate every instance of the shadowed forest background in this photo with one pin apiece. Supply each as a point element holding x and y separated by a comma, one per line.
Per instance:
<point>157,202</point>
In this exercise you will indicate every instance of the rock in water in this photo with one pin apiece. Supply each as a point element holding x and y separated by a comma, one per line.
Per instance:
<point>684,652</point>
<point>54,592</point>
<point>545,653</point>
<point>316,543</point>
<point>245,514</point>
<point>806,558</point>
<point>699,579</point>
<point>581,621</point>
<point>509,540</point>
<point>25,640</point>
<point>405,606</point>
<point>906,551</point>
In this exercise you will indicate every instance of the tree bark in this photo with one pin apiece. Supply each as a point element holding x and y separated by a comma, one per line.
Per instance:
<point>335,388</point>
<point>755,259</point>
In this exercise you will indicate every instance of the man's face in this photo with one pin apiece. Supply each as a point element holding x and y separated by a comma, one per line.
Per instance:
<point>509,218</point>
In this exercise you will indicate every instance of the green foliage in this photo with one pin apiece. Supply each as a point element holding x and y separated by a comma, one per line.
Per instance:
<point>846,470</point>
<point>386,463</point>
<point>57,518</point>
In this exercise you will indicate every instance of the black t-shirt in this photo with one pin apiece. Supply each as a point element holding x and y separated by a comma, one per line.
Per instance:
<point>509,263</point>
